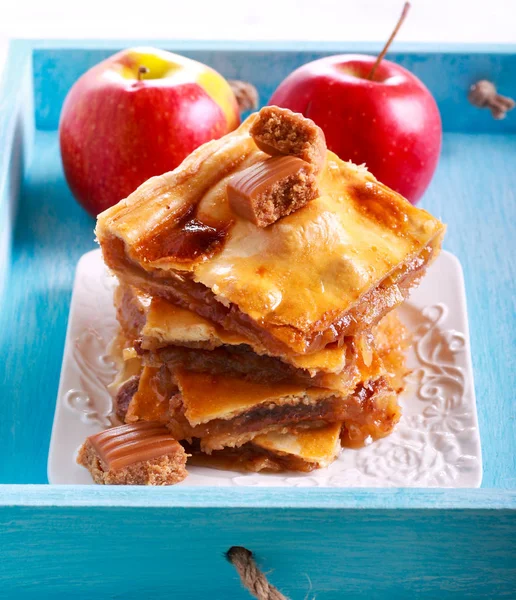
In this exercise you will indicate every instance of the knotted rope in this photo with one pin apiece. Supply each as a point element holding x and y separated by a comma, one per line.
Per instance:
<point>246,95</point>
<point>252,578</point>
<point>484,95</point>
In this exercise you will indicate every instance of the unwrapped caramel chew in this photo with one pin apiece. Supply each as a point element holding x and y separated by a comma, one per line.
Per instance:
<point>142,453</point>
<point>281,131</point>
<point>269,190</point>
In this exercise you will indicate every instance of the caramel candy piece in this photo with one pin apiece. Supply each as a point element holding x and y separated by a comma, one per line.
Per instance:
<point>281,131</point>
<point>142,453</point>
<point>269,190</point>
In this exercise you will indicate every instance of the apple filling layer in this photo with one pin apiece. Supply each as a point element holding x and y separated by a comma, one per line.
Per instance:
<point>165,334</point>
<point>241,361</point>
<point>373,411</point>
<point>300,449</point>
<point>227,412</point>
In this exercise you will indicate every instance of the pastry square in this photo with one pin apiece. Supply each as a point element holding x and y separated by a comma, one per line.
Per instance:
<point>328,270</point>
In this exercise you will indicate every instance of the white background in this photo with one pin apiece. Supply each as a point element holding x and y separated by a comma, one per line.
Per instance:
<point>429,20</point>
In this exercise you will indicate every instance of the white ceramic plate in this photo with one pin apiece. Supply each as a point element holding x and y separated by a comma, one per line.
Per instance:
<point>436,443</point>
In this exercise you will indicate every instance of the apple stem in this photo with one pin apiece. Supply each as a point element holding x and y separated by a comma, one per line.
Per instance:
<point>389,41</point>
<point>141,71</point>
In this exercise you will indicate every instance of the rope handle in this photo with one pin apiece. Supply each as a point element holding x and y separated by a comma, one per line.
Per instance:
<point>246,95</point>
<point>484,95</point>
<point>253,579</point>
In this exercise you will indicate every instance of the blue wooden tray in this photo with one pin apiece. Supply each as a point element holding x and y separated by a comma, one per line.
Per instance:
<point>134,542</point>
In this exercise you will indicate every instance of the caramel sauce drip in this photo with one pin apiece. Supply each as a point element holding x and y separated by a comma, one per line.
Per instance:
<point>378,203</point>
<point>189,240</point>
<point>125,445</point>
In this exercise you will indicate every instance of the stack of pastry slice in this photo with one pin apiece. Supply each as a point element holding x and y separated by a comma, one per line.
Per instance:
<point>256,297</point>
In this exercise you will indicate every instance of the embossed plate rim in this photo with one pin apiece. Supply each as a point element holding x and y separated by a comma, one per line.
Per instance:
<point>455,462</point>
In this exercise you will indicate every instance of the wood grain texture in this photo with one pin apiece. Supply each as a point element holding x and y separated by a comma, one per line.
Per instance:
<point>50,235</point>
<point>16,131</point>
<point>59,496</point>
<point>168,553</point>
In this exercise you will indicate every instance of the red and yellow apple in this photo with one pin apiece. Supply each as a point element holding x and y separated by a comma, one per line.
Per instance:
<point>391,122</point>
<point>138,114</point>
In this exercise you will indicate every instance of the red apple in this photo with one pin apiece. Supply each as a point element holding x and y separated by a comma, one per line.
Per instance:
<point>390,123</point>
<point>135,115</point>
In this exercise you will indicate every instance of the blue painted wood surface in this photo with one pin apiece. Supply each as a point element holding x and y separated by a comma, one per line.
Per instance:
<point>330,554</point>
<point>373,543</point>
<point>448,74</point>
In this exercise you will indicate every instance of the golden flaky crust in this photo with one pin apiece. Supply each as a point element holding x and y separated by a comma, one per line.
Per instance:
<point>167,334</point>
<point>326,271</point>
<point>295,450</point>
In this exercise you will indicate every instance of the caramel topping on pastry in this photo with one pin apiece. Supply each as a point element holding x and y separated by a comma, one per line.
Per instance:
<point>207,397</point>
<point>267,191</point>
